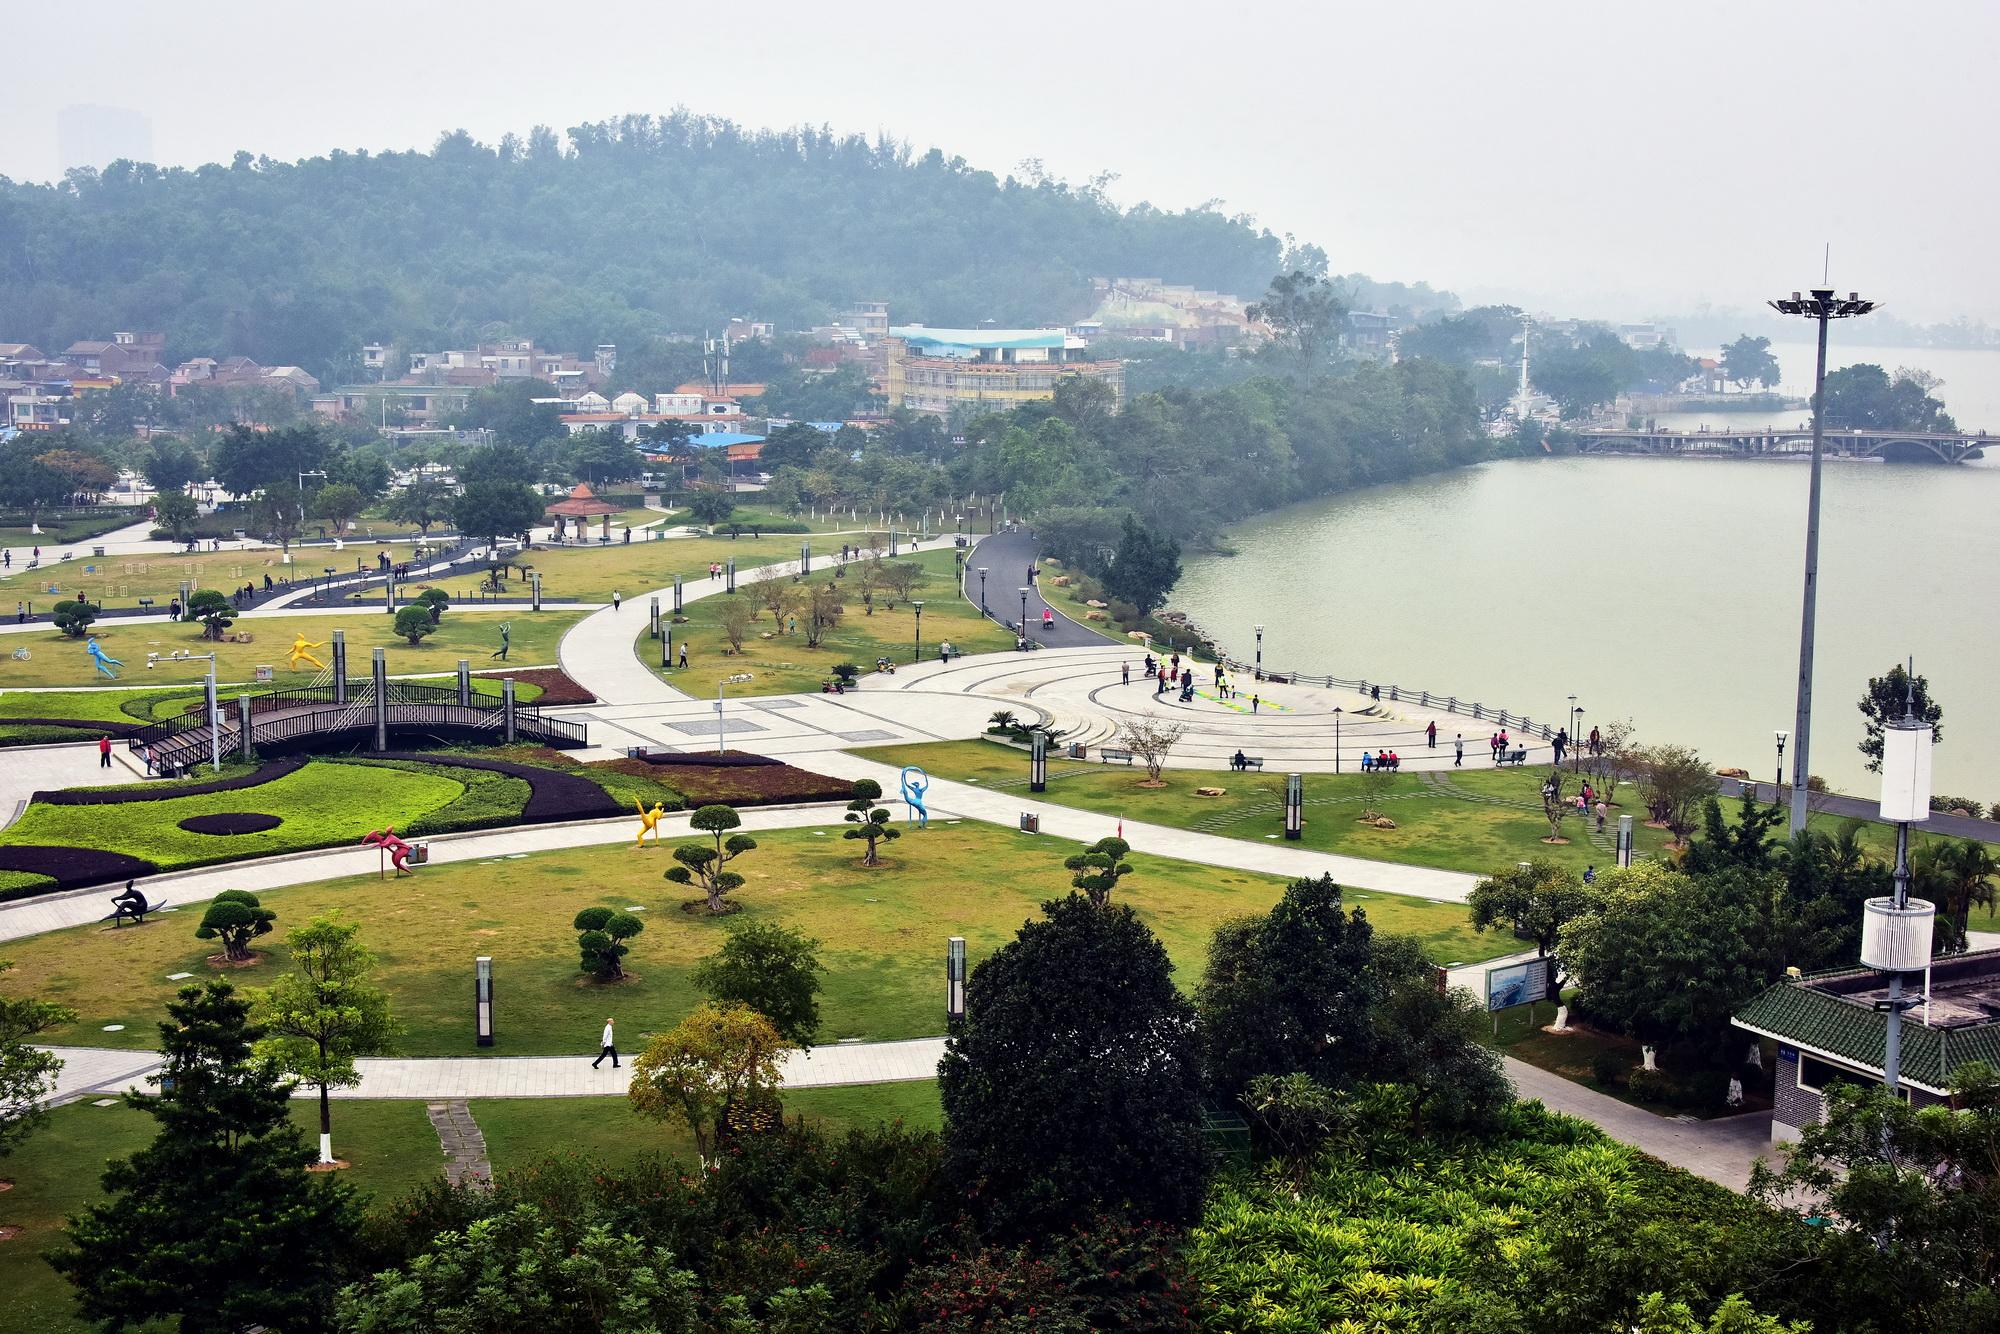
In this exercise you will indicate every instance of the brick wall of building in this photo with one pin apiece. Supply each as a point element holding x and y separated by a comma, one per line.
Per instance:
<point>1792,1108</point>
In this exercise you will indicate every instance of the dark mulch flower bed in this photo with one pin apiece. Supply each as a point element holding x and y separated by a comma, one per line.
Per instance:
<point>71,868</point>
<point>94,726</point>
<point>552,795</point>
<point>86,796</point>
<point>557,688</point>
<point>707,759</point>
<point>231,822</point>
<point>766,782</point>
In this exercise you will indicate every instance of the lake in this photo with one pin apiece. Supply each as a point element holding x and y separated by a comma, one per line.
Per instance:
<point>1663,590</point>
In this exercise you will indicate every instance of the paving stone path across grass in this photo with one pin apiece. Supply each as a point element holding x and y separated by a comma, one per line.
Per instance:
<point>464,1145</point>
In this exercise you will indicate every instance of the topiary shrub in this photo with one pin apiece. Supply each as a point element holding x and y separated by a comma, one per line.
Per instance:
<point>414,622</point>
<point>1649,1085</point>
<point>235,918</point>
<point>73,617</point>
<point>434,601</point>
<point>1608,1067</point>
<point>602,944</point>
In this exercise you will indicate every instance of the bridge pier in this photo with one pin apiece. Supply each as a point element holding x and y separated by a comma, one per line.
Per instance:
<point>340,666</point>
<point>243,727</point>
<point>381,665</point>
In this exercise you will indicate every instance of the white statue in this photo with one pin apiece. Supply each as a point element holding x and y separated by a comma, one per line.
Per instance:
<point>1561,1025</point>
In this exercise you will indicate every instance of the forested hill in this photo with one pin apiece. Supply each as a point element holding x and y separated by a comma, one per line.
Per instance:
<point>633,227</point>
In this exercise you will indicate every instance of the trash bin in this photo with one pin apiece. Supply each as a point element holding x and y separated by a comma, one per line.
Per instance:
<point>1031,823</point>
<point>1078,751</point>
<point>97,551</point>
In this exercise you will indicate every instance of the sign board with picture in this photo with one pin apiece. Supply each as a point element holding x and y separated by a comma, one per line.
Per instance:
<point>1520,983</point>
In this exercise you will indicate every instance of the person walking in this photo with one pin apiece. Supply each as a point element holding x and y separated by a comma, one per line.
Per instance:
<point>104,752</point>
<point>1601,813</point>
<point>1458,752</point>
<point>1254,702</point>
<point>1561,741</point>
<point>609,1049</point>
<point>684,653</point>
<point>616,599</point>
<point>1125,670</point>
<point>1431,734</point>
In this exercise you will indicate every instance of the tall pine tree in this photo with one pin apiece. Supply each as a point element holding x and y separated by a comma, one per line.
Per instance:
<point>216,1221</point>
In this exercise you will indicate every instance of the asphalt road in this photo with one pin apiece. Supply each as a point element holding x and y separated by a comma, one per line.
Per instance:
<point>1008,557</point>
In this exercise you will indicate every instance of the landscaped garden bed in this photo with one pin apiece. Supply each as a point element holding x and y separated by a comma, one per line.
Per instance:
<point>166,789</point>
<point>230,822</point>
<point>553,684</point>
<point>732,780</point>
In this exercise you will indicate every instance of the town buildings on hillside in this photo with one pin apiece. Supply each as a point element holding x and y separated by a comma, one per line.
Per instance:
<point>946,371</point>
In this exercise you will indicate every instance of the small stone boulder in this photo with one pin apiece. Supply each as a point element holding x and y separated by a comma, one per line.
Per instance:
<point>1094,602</point>
<point>1384,822</point>
<point>1095,616</point>
<point>1060,581</point>
<point>1732,773</point>
<point>1211,792</point>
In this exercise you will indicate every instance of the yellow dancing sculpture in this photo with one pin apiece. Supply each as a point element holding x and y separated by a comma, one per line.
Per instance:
<point>302,648</point>
<point>649,822</point>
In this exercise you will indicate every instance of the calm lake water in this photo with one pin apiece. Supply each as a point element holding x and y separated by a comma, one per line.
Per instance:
<point>1663,590</point>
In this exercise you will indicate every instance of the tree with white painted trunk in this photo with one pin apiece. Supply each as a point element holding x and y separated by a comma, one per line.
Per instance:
<point>320,1017</point>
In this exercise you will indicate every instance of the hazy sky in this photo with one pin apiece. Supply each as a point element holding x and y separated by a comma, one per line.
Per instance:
<point>1593,158</point>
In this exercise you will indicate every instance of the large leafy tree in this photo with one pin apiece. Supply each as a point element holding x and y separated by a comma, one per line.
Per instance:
<point>715,1070</point>
<point>1534,900</point>
<point>488,511</point>
<point>1073,1085</point>
<point>324,1013</point>
<point>1145,567</point>
<point>1748,361</point>
<point>176,514</point>
<point>424,501</point>
<point>1287,992</point>
<point>1917,1195</point>
<point>1866,397</point>
<point>27,1075</point>
<point>1304,311</point>
<point>171,465</point>
<point>216,1222</point>
<point>1957,875</point>
<point>1884,702</point>
<point>247,461</point>
<point>772,969</point>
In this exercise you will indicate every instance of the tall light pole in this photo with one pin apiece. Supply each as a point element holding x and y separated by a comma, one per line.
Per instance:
<point>1572,723</point>
<point>1024,614</point>
<point>1822,305</point>
<point>1575,759</point>
<point>1336,738</point>
<point>920,632</point>
<point>982,590</point>
<point>1258,672</point>
<point>1778,786</point>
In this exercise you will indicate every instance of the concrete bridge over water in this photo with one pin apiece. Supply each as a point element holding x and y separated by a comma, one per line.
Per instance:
<point>1774,442</point>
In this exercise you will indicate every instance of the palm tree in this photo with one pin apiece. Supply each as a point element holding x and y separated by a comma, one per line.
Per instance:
<point>1960,875</point>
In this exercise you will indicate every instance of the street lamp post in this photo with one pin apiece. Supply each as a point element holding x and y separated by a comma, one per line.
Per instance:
<point>1822,305</point>
<point>982,590</point>
<point>1336,738</point>
<point>1572,722</point>
<point>920,632</point>
<point>1778,786</point>
<point>1024,614</point>
<point>1575,760</point>
<point>1258,672</point>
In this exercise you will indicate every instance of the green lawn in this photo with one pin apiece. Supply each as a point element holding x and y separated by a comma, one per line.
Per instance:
<point>121,581</point>
<point>71,529</point>
<point>781,664</point>
<point>1481,820</point>
<point>144,706</point>
<point>60,661</point>
<point>593,573</point>
<point>521,1130</point>
<point>390,1145</point>
<point>883,930</point>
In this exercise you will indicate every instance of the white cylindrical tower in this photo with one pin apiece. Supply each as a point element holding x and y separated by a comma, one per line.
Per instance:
<point>1897,940</point>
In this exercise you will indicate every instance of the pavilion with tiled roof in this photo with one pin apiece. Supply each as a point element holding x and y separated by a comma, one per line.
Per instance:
<point>581,506</point>
<point>1828,1029</point>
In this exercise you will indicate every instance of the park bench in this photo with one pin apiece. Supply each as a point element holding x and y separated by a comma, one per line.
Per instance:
<point>1106,754</point>
<point>1249,762</point>
<point>1516,757</point>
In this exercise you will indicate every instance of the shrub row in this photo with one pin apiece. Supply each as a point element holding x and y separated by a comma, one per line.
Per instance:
<point>552,686</point>
<point>163,791</point>
<point>491,800</point>
<point>69,867</point>
<point>68,728</point>
<point>553,795</point>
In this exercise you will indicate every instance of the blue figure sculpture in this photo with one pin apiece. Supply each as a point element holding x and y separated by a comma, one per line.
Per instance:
<point>105,662</point>
<point>913,794</point>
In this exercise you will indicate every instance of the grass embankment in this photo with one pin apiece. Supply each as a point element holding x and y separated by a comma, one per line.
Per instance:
<point>781,664</point>
<point>593,573</point>
<point>883,932</point>
<point>748,517</point>
<point>60,661</point>
<point>390,1146</point>
<point>121,581</point>
<point>1475,821</point>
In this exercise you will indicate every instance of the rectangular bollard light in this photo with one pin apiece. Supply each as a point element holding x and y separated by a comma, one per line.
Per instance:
<point>243,726</point>
<point>805,558</point>
<point>677,595</point>
<point>507,707</point>
<point>954,979</point>
<point>535,583</point>
<point>729,575</point>
<point>464,684</point>
<point>482,1001</point>
<point>381,665</point>
<point>1038,761</point>
<point>1624,840</point>
<point>655,617</point>
<point>1295,802</point>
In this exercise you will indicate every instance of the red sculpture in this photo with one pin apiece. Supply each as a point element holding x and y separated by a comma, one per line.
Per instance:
<point>386,841</point>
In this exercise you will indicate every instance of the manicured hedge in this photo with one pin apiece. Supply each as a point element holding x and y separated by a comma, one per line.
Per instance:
<point>490,801</point>
<point>553,795</point>
<point>164,791</point>
<point>553,683</point>
<point>94,726</point>
<point>230,822</point>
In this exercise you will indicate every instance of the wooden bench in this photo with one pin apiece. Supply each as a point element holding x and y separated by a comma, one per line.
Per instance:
<point>1106,754</point>
<point>1249,762</point>
<point>1516,757</point>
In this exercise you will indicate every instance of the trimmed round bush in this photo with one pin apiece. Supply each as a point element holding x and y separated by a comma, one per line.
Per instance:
<point>1608,1067</point>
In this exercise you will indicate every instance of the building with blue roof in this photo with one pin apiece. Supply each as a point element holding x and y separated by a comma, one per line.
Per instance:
<point>957,373</point>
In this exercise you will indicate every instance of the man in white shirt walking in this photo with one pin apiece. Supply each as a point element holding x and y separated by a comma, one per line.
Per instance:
<point>609,1049</point>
